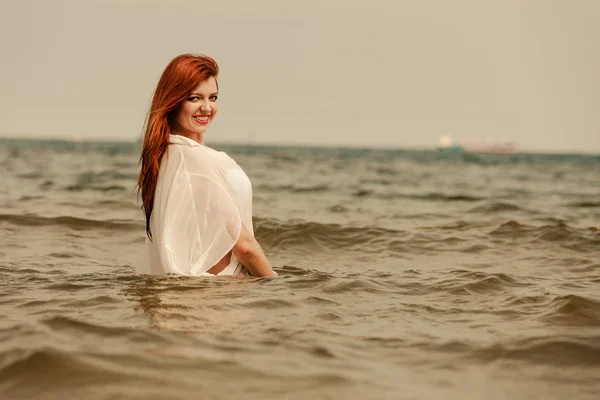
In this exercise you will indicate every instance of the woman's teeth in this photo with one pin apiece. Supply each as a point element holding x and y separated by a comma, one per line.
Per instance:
<point>203,118</point>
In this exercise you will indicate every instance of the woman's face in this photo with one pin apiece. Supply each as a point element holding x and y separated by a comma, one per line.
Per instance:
<point>198,110</point>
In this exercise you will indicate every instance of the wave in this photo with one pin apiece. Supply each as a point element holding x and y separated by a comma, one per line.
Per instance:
<point>573,310</point>
<point>103,181</point>
<point>30,198</point>
<point>434,196</point>
<point>387,171</point>
<point>284,235</point>
<point>491,282</point>
<point>50,372</point>
<point>332,236</point>
<point>294,188</point>
<point>576,239</point>
<point>30,175</point>
<point>338,208</point>
<point>66,324</point>
<point>584,204</point>
<point>107,188</point>
<point>497,207</point>
<point>445,197</point>
<point>71,222</point>
<point>559,231</point>
<point>50,362</point>
<point>109,204</point>
<point>559,350</point>
<point>556,233</point>
<point>383,182</point>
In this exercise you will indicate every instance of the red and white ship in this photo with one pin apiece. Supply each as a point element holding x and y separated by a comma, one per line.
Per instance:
<point>477,145</point>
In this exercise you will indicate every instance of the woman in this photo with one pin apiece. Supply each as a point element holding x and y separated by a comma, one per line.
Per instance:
<point>197,201</point>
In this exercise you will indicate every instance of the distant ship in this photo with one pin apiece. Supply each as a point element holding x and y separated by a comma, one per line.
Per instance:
<point>476,145</point>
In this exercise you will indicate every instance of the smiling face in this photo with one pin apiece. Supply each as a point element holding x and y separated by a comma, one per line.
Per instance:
<point>197,111</point>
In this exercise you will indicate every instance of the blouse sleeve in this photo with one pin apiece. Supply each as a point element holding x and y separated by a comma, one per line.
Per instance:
<point>202,223</point>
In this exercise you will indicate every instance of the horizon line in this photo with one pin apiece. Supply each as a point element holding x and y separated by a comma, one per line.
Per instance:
<point>255,143</point>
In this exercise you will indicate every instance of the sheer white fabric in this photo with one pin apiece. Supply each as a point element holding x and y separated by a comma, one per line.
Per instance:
<point>202,199</point>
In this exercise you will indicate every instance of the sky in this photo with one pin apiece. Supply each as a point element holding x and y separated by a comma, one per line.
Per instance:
<point>392,74</point>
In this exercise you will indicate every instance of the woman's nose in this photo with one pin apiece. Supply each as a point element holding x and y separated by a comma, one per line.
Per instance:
<point>205,106</point>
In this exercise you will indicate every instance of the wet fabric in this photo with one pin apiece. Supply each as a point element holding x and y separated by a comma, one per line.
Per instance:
<point>202,199</point>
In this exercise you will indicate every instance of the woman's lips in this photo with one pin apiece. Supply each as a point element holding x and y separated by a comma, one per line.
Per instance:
<point>201,119</point>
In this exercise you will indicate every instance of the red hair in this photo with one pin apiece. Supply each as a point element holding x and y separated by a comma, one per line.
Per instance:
<point>177,81</point>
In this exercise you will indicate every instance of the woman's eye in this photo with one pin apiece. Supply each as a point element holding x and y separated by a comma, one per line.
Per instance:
<point>213,98</point>
<point>193,98</point>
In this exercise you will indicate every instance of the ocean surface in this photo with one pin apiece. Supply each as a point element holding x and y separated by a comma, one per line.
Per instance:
<point>403,275</point>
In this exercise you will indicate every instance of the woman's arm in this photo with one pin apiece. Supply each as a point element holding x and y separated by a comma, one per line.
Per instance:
<point>250,254</point>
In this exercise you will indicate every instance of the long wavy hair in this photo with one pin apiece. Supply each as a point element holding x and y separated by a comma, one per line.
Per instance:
<point>179,79</point>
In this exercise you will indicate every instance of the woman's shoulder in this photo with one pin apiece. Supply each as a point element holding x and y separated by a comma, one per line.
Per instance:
<point>197,157</point>
<point>191,146</point>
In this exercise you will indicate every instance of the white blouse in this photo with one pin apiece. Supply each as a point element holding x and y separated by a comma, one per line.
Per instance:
<point>202,199</point>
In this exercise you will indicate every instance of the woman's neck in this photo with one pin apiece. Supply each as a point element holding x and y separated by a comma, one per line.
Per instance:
<point>197,137</point>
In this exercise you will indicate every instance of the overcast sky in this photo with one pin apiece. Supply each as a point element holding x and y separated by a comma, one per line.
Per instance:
<point>339,72</point>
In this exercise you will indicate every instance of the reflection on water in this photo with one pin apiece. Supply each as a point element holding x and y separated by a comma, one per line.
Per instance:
<point>190,305</point>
